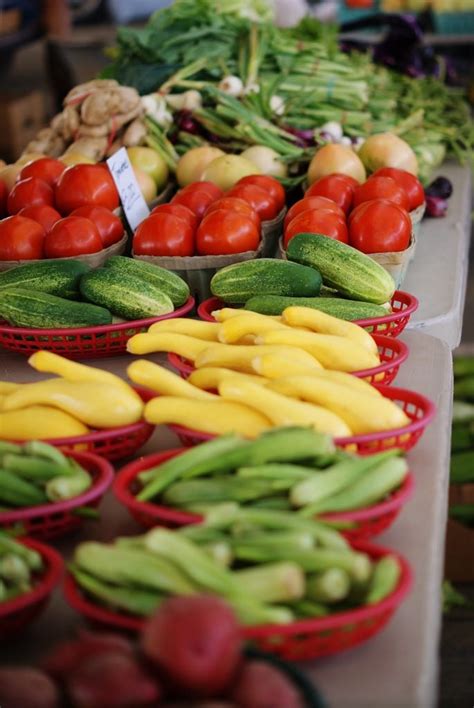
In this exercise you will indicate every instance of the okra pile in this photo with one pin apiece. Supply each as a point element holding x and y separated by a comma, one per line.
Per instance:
<point>272,567</point>
<point>37,473</point>
<point>462,439</point>
<point>18,565</point>
<point>284,469</point>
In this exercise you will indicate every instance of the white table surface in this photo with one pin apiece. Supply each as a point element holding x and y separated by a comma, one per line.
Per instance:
<point>396,669</point>
<point>438,273</point>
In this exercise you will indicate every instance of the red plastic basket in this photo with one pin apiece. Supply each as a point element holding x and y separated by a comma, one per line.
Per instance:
<point>392,325</point>
<point>393,352</point>
<point>114,443</point>
<point>56,519</point>
<point>364,523</point>
<point>297,641</point>
<point>16,614</point>
<point>419,409</point>
<point>81,342</point>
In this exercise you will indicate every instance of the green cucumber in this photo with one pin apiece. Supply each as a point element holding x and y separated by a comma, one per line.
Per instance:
<point>55,277</point>
<point>237,283</point>
<point>350,272</point>
<point>29,308</point>
<point>124,294</point>
<point>335,306</point>
<point>167,281</point>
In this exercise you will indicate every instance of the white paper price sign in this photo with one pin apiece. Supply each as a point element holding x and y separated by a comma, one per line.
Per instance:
<point>135,207</point>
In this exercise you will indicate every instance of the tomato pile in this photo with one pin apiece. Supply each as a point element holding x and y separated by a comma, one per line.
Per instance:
<point>54,211</point>
<point>203,220</point>
<point>372,217</point>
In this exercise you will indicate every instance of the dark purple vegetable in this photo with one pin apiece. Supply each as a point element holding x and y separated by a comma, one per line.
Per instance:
<point>25,687</point>
<point>187,123</point>
<point>440,187</point>
<point>305,138</point>
<point>68,656</point>
<point>436,206</point>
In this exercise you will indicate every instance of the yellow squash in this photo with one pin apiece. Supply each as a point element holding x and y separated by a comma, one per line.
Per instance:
<point>73,371</point>
<point>163,381</point>
<point>210,377</point>
<point>192,328</point>
<point>181,344</point>
<point>97,404</point>
<point>226,313</point>
<point>331,351</point>
<point>274,366</point>
<point>240,357</point>
<point>363,413</point>
<point>235,329</point>
<point>39,422</point>
<point>282,410</point>
<point>318,321</point>
<point>216,417</point>
<point>6,387</point>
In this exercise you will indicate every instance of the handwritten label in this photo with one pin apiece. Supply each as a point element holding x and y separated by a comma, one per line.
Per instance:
<point>134,205</point>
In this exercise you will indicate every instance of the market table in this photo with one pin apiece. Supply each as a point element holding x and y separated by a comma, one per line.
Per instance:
<point>438,273</point>
<point>398,667</point>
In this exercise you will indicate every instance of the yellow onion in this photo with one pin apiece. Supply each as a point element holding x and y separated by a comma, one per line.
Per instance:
<point>9,175</point>
<point>76,158</point>
<point>267,160</point>
<point>29,157</point>
<point>192,164</point>
<point>146,183</point>
<point>388,150</point>
<point>228,169</point>
<point>334,158</point>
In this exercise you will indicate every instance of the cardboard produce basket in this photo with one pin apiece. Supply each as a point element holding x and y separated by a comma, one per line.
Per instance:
<point>396,262</point>
<point>198,271</point>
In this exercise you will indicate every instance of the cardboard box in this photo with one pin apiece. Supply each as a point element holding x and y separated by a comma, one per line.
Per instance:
<point>459,554</point>
<point>21,117</point>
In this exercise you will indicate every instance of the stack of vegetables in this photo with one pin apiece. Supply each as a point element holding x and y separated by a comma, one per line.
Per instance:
<point>18,567</point>
<point>237,81</point>
<point>284,469</point>
<point>268,371</point>
<point>79,398</point>
<point>203,220</point>
<point>67,293</point>
<point>462,443</point>
<point>37,473</point>
<point>271,566</point>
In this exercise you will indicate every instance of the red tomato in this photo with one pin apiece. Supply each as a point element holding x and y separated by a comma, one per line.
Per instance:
<point>271,185</point>
<point>209,187</point>
<point>339,188</point>
<point>235,204</point>
<point>164,235</point>
<point>317,221</point>
<point>381,188</point>
<point>197,201</point>
<point>20,239</point>
<point>178,210</point>
<point>408,182</point>
<point>3,198</point>
<point>81,185</point>
<point>223,232</point>
<point>72,236</point>
<point>108,224</point>
<point>312,203</point>
<point>44,215</point>
<point>380,227</point>
<point>258,198</point>
<point>46,168</point>
<point>29,192</point>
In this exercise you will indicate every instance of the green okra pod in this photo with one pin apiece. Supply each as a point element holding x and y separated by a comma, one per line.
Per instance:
<point>134,600</point>
<point>37,448</point>
<point>37,469</point>
<point>221,552</point>
<point>276,471</point>
<point>199,460</point>
<point>328,587</point>
<point>18,492</point>
<point>342,475</point>
<point>309,608</point>
<point>69,486</point>
<point>131,567</point>
<point>32,558</point>
<point>251,612</point>
<point>384,580</point>
<point>217,489</point>
<point>290,445</point>
<point>14,569</point>
<point>373,486</point>
<point>273,582</point>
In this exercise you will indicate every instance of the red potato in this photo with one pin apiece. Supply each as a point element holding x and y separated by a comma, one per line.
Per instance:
<point>68,656</point>
<point>112,680</point>
<point>260,685</point>
<point>196,642</point>
<point>25,687</point>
